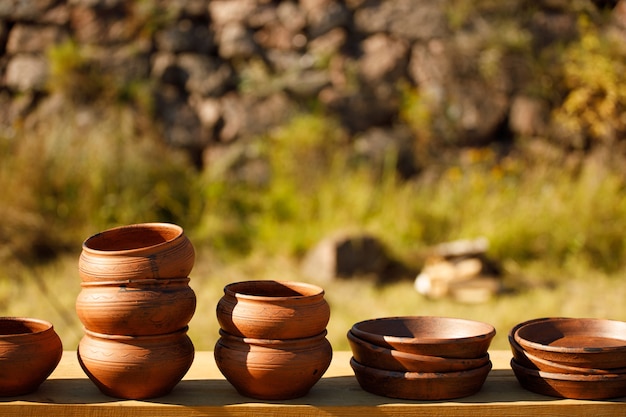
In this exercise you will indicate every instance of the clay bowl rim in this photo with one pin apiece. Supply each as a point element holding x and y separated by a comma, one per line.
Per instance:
<point>424,375</point>
<point>178,230</point>
<point>388,339</point>
<point>563,368</point>
<point>42,326</point>
<point>530,344</point>
<point>272,343</point>
<point>230,289</point>
<point>431,361</point>
<point>566,376</point>
<point>149,282</point>
<point>128,338</point>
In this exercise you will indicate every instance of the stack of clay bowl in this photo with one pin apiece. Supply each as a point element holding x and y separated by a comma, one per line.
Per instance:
<point>135,305</point>
<point>272,343</point>
<point>421,358</point>
<point>570,357</point>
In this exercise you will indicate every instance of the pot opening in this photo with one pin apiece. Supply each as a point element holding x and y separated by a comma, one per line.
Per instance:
<point>268,288</point>
<point>12,326</point>
<point>133,237</point>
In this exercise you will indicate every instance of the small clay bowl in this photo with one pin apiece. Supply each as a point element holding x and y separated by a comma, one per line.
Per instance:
<point>531,361</point>
<point>426,335</point>
<point>268,309</point>
<point>420,385</point>
<point>573,386</point>
<point>374,356</point>
<point>135,252</point>
<point>583,343</point>
<point>30,350</point>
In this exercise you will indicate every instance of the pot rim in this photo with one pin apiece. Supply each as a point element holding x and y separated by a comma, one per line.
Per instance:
<point>130,338</point>
<point>47,326</point>
<point>229,289</point>
<point>277,343</point>
<point>138,227</point>
<point>134,282</point>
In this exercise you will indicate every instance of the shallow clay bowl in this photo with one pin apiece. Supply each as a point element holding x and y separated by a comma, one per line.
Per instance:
<point>374,356</point>
<point>531,361</point>
<point>420,385</point>
<point>583,343</point>
<point>427,335</point>
<point>574,386</point>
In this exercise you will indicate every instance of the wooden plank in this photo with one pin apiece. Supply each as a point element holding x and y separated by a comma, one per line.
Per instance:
<point>205,392</point>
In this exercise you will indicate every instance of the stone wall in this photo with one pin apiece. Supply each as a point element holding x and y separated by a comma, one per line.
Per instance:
<point>223,70</point>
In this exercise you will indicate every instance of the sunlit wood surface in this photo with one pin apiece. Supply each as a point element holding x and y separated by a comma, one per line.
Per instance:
<point>205,392</point>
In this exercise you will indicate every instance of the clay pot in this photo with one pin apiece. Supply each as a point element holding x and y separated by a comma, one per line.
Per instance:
<point>432,336</point>
<point>375,356</point>
<point>270,369</point>
<point>573,386</point>
<point>530,361</point>
<point>136,252</point>
<point>136,367</point>
<point>583,343</point>
<point>420,385</point>
<point>30,350</point>
<point>145,307</point>
<point>269,309</point>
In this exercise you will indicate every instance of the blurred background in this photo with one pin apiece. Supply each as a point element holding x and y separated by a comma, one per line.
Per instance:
<point>456,158</point>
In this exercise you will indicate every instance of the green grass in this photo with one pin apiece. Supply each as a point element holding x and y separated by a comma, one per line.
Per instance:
<point>547,224</point>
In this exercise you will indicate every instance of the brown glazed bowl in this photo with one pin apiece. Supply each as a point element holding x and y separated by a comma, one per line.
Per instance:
<point>573,386</point>
<point>271,369</point>
<point>583,343</point>
<point>528,360</point>
<point>135,252</point>
<point>419,385</point>
<point>374,356</point>
<point>30,350</point>
<point>426,335</point>
<point>267,309</point>
<point>136,367</point>
<point>144,307</point>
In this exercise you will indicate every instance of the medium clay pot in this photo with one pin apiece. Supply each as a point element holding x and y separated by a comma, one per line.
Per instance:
<point>267,309</point>
<point>136,367</point>
<point>270,369</point>
<point>136,252</point>
<point>145,307</point>
<point>30,350</point>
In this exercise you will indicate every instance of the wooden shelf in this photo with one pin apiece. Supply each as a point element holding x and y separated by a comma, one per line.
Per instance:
<point>205,392</point>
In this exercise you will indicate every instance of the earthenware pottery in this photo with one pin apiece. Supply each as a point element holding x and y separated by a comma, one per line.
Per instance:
<point>267,309</point>
<point>271,369</point>
<point>578,342</point>
<point>145,307</point>
<point>426,335</point>
<point>528,360</point>
<point>30,350</point>
<point>374,356</point>
<point>420,385</point>
<point>574,386</point>
<point>136,367</point>
<point>135,252</point>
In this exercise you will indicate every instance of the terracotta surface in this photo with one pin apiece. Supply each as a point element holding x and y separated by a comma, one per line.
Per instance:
<point>136,367</point>
<point>30,350</point>
<point>426,335</point>
<point>420,386</point>
<point>573,386</point>
<point>267,309</point>
<point>145,307</point>
<point>138,251</point>
<point>273,369</point>
<point>375,356</point>
<point>584,343</point>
